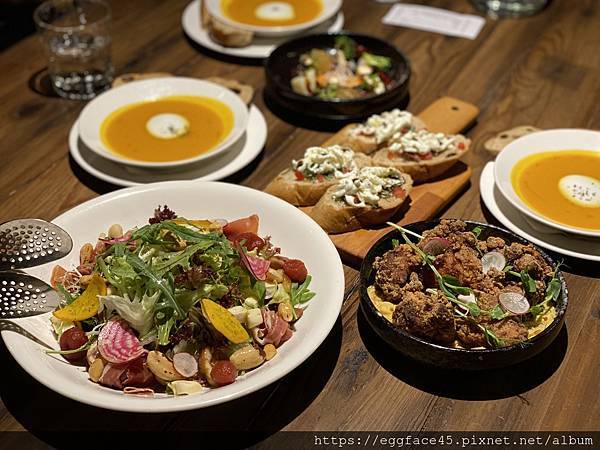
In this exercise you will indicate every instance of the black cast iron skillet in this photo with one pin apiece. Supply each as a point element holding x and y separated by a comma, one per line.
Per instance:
<point>442,356</point>
<point>281,64</point>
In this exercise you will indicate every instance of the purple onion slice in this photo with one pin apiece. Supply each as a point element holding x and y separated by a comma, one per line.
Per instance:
<point>514,302</point>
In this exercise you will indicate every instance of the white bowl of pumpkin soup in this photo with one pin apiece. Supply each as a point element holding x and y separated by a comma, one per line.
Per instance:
<point>554,177</point>
<point>273,18</point>
<point>163,122</point>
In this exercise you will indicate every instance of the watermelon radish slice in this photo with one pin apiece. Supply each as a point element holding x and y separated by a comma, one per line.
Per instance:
<point>118,344</point>
<point>256,266</point>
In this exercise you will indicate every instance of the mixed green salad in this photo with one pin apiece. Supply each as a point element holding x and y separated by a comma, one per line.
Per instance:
<point>178,305</point>
<point>346,71</point>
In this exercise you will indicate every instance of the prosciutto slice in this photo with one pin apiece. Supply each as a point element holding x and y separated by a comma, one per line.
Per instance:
<point>274,329</point>
<point>133,374</point>
<point>118,344</point>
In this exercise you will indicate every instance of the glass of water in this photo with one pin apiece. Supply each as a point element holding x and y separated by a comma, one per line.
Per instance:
<point>76,38</point>
<point>510,8</point>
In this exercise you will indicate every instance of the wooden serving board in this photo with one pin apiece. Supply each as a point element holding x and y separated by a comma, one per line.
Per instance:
<point>445,115</point>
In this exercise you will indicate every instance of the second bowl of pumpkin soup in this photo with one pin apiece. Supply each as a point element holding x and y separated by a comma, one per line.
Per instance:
<point>554,178</point>
<point>163,122</point>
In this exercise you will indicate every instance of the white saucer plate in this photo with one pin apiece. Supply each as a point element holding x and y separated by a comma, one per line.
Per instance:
<point>329,10</point>
<point>260,47</point>
<point>297,235</point>
<point>242,153</point>
<point>550,238</point>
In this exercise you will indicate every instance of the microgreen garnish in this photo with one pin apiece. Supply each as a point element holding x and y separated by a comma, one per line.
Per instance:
<point>477,231</point>
<point>551,294</point>
<point>528,282</point>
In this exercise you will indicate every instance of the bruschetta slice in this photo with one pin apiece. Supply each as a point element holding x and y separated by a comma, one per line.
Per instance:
<point>305,182</point>
<point>422,154</point>
<point>378,130</point>
<point>369,197</point>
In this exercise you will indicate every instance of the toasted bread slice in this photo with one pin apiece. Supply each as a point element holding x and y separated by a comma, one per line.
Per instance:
<point>423,170</point>
<point>337,216</point>
<point>305,192</point>
<point>363,143</point>
<point>222,33</point>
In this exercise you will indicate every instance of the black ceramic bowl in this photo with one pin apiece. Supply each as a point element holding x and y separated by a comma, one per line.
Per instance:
<point>280,65</point>
<point>446,357</point>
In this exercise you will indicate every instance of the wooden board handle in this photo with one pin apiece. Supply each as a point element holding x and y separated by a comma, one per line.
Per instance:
<point>449,115</point>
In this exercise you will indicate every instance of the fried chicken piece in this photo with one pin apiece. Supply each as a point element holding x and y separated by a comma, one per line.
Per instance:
<point>510,330</point>
<point>429,316</point>
<point>463,264</point>
<point>527,257</point>
<point>469,334</point>
<point>393,270</point>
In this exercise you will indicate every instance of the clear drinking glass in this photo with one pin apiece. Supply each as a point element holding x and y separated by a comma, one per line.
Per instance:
<point>76,38</point>
<point>510,8</point>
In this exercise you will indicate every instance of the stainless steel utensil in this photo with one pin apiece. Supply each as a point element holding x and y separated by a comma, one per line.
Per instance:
<point>31,242</point>
<point>22,295</point>
<point>28,243</point>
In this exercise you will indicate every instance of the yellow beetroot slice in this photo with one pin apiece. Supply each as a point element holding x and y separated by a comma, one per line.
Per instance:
<point>86,305</point>
<point>224,322</point>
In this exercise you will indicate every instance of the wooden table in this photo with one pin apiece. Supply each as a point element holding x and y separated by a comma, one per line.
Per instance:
<point>542,71</point>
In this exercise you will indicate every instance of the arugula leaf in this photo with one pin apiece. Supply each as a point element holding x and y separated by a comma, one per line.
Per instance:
<point>260,289</point>
<point>498,313</point>
<point>68,297</point>
<point>171,260</point>
<point>156,282</point>
<point>164,330</point>
<point>301,294</point>
<point>477,231</point>
<point>528,282</point>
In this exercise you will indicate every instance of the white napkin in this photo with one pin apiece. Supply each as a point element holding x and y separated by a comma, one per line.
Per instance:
<point>436,20</point>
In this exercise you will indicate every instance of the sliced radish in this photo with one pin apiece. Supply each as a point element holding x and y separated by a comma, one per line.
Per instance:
<point>185,364</point>
<point>468,298</point>
<point>494,260</point>
<point>514,302</point>
<point>118,344</point>
<point>436,246</point>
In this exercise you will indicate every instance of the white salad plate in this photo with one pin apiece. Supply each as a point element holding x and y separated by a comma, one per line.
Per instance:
<point>240,154</point>
<point>96,111</point>
<point>260,47</point>
<point>330,9</point>
<point>542,141</point>
<point>297,235</point>
<point>512,218</point>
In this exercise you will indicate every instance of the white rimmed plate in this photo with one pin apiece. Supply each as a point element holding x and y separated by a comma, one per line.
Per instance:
<point>242,153</point>
<point>292,230</point>
<point>330,9</point>
<point>549,238</point>
<point>260,47</point>
<point>95,112</point>
<point>542,141</point>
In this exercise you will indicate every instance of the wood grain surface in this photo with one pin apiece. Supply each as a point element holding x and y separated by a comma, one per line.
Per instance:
<point>542,71</point>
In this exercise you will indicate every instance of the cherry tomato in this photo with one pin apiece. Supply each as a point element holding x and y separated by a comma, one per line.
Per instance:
<point>246,225</point>
<point>299,175</point>
<point>223,372</point>
<point>461,145</point>
<point>252,241</point>
<point>295,269</point>
<point>398,192</point>
<point>72,339</point>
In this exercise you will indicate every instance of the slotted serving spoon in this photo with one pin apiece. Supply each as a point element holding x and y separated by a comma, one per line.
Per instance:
<point>29,243</point>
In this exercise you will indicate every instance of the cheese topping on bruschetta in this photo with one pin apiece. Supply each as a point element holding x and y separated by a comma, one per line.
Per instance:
<point>336,161</point>
<point>368,185</point>
<point>423,142</point>
<point>387,125</point>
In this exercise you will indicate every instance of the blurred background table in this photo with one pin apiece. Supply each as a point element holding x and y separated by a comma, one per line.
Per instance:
<point>543,70</point>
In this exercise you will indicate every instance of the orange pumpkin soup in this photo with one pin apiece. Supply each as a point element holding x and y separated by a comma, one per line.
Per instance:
<point>265,13</point>
<point>563,186</point>
<point>168,129</point>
